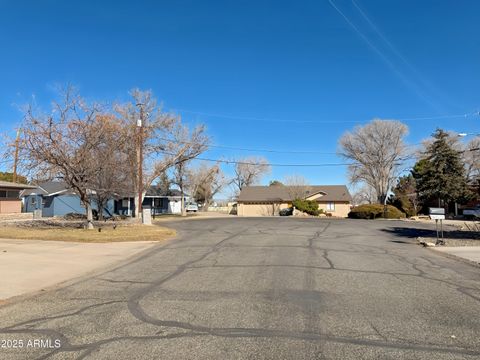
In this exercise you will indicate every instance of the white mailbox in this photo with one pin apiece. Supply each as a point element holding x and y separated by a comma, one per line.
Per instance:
<point>436,213</point>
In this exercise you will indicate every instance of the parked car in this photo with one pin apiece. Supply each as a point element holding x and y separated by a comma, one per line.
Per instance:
<point>472,213</point>
<point>286,212</point>
<point>191,207</point>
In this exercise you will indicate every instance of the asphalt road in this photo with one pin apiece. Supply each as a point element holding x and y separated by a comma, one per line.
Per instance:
<point>261,288</point>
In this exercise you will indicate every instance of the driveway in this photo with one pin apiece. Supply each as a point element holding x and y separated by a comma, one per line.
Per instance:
<point>33,265</point>
<point>261,288</point>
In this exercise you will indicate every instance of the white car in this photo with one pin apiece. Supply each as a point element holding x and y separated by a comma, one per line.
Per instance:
<point>191,207</point>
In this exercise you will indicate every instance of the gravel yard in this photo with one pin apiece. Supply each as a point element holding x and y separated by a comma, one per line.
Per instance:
<point>456,232</point>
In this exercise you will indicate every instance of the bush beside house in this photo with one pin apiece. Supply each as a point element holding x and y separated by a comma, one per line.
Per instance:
<point>374,211</point>
<point>307,206</point>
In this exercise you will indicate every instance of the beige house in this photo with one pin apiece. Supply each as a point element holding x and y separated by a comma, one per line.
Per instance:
<point>269,200</point>
<point>10,202</point>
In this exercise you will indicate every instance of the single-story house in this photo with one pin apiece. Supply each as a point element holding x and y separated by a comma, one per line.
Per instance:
<point>54,198</point>
<point>158,201</point>
<point>269,200</point>
<point>10,202</point>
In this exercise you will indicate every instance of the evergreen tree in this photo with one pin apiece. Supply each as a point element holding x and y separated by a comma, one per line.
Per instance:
<point>7,176</point>
<point>275,183</point>
<point>441,174</point>
<point>405,195</point>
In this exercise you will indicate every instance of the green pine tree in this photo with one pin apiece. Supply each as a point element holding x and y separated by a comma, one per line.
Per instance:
<point>7,176</point>
<point>440,174</point>
<point>405,195</point>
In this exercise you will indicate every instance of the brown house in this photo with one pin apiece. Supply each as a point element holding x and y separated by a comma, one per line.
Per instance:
<point>269,200</point>
<point>10,202</point>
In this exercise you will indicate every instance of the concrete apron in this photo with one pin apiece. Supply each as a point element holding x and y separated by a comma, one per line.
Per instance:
<point>32,265</point>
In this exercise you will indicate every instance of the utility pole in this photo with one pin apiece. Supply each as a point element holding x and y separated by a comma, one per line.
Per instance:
<point>15,159</point>
<point>141,129</point>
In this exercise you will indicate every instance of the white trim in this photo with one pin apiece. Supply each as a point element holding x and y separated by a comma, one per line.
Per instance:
<point>57,193</point>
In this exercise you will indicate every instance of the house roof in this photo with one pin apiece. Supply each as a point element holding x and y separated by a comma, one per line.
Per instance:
<point>155,191</point>
<point>283,193</point>
<point>16,186</point>
<point>48,188</point>
<point>51,188</point>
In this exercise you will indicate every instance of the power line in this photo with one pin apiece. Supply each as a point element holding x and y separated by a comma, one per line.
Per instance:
<point>217,146</point>
<point>274,151</point>
<point>257,150</point>
<point>272,164</point>
<point>234,162</point>
<point>295,121</point>
<point>377,50</point>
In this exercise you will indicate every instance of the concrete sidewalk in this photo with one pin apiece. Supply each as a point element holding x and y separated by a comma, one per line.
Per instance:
<point>470,253</point>
<point>32,265</point>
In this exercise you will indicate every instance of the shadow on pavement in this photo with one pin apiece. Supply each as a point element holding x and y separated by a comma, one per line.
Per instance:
<point>409,232</point>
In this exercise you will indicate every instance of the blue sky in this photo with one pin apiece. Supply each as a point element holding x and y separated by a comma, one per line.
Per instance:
<point>319,66</point>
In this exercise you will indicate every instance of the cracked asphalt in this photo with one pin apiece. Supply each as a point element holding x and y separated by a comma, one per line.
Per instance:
<point>261,288</point>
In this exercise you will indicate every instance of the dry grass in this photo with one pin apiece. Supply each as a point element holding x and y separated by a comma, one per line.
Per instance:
<point>107,234</point>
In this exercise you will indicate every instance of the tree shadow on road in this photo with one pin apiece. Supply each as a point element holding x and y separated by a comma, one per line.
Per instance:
<point>415,232</point>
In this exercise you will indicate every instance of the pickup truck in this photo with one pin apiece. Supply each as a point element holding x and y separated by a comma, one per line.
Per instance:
<point>472,213</point>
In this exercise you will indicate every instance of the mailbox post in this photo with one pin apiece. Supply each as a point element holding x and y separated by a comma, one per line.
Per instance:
<point>438,214</point>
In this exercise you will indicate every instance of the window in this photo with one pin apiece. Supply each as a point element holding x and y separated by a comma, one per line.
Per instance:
<point>10,194</point>
<point>330,206</point>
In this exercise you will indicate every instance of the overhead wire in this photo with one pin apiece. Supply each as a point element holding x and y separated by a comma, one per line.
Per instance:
<point>296,121</point>
<point>256,149</point>
<point>224,161</point>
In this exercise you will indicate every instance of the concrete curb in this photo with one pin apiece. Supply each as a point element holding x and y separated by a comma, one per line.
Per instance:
<point>455,257</point>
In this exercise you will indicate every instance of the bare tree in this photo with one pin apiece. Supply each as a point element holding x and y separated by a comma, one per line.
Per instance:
<point>249,171</point>
<point>180,179</point>
<point>96,152</point>
<point>66,144</point>
<point>205,182</point>
<point>111,180</point>
<point>471,159</point>
<point>365,194</point>
<point>166,141</point>
<point>377,152</point>
<point>297,186</point>
<point>163,184</point>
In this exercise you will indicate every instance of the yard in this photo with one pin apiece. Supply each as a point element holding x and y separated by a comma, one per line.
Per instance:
<point>106,233</point>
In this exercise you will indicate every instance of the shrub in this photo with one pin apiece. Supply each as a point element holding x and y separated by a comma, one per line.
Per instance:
<point>75,216</point>
<point>373,211</point>
<point>307,206</point>
<point>286,212</point>
<point>404,205</point>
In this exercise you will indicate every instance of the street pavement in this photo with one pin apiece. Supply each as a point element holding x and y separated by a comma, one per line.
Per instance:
<point>260,288</point>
